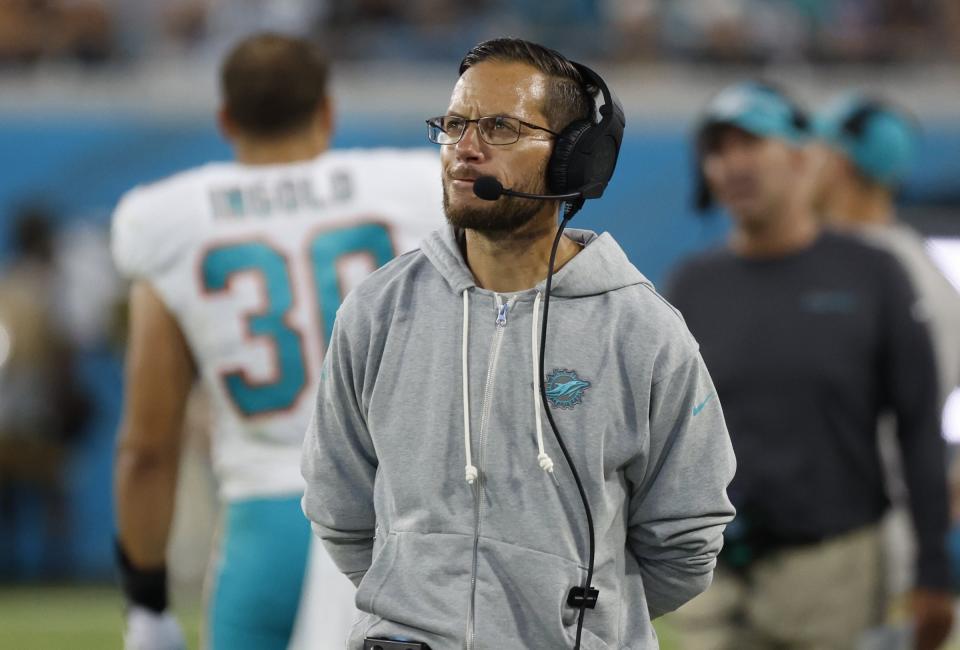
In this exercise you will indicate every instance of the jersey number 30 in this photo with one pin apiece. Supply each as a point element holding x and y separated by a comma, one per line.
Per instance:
<point>222,263</point>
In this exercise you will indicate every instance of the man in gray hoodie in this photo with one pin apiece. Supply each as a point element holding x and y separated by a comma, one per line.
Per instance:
<point>429,477</point>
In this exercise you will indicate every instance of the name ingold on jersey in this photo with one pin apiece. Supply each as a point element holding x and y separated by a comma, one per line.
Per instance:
<point>284,197</point>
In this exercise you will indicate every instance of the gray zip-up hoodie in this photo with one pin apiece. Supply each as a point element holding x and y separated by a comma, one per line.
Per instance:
<point>437,486</point>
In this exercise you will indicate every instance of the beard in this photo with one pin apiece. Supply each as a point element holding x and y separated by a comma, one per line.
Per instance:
<point>497,219</point>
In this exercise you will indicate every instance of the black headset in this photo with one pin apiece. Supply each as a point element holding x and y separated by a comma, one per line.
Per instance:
<point>585,153</point>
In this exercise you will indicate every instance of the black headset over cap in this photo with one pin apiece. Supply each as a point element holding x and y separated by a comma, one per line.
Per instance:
<point>585,153</point>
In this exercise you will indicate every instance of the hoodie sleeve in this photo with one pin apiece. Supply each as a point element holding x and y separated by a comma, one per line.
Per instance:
<point>678,501</point>
<point>339,462</point>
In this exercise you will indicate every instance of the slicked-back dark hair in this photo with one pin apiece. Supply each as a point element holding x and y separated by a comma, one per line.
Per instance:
<point>272,84</point>
<point>569,96</point>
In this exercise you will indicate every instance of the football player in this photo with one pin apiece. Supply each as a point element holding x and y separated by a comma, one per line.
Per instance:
<point>237,271</point>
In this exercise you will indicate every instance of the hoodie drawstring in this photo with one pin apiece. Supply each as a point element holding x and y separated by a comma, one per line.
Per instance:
<point>546,463</point>
<point>471,471</point>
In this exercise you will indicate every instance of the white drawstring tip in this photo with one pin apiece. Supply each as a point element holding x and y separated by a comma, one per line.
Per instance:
<point>545,463</point>
<point>472,474</point>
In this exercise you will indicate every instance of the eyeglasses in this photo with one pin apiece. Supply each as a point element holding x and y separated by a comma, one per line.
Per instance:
<point>496,129</point>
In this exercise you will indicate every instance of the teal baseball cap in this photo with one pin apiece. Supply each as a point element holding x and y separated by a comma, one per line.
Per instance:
<point>879,139</point>
<point>757,108</point>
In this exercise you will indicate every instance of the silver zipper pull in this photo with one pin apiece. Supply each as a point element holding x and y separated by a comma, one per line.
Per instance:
<point>502,314</point>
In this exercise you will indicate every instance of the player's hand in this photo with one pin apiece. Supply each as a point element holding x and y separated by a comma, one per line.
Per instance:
<point>148,630</point>
<point>933,618</point>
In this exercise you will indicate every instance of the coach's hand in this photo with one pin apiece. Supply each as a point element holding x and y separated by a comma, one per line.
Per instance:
<point>933,618</point>
<point>149,630</point>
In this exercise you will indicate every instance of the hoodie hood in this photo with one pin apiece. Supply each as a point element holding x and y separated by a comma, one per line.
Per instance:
<point>599,268</point>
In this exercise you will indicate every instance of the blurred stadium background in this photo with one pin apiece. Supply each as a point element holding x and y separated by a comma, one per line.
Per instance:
<point>99,95</point>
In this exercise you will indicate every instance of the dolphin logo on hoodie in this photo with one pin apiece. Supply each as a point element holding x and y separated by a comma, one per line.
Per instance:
<point>565,389</point>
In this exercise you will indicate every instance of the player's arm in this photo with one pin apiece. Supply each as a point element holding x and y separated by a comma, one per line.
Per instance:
<point>159,376</point>
<point>339,462</point>
<point>678,504</point>
<point>911,386</point>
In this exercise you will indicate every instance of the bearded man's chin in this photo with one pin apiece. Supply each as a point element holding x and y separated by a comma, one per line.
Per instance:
<point>498,219</point>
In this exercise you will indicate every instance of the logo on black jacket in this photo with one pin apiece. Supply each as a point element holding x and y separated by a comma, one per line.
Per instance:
<point>564,388</point>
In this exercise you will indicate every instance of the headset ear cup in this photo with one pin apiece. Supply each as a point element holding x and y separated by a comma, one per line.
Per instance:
<point>564,172</point>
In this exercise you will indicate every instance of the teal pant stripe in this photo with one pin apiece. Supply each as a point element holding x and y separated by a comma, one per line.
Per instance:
<point>262,563</point>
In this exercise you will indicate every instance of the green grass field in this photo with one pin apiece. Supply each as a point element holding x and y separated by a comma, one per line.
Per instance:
<point>72,618</point>
<point>90,618</point>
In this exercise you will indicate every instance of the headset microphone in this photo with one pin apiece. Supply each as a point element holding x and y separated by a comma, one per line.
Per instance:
<point>489,188</point>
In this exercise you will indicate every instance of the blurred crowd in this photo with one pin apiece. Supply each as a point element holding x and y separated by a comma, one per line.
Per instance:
<point>58,300</point>
<point>738,31</point>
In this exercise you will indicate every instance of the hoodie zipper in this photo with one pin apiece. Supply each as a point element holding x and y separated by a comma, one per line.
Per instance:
<point>501,325</point>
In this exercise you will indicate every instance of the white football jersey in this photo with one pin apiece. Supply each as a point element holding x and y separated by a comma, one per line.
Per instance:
<point>254,261</point>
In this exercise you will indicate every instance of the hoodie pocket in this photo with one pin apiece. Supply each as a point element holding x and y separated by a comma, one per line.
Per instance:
<point>419,585</point>
<point>589,640</point>
<point>522,600</point>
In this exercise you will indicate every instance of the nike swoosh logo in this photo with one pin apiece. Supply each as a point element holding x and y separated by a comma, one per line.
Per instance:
<point>699,407</point>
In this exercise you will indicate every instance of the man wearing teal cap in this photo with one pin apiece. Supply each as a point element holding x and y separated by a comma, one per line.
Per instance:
<point>864,151</point>
<point>809,335</point>
<point>760,113</point>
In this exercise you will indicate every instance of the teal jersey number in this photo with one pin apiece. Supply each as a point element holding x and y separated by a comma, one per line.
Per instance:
<point>327,247</point>
<point>220,264</point>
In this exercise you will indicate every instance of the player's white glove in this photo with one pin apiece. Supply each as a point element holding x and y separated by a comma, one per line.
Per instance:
<point>149,630</point>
